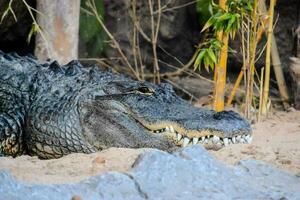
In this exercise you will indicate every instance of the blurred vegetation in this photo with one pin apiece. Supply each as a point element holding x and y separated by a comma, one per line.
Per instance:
<point>204,10</point>
<point>91,34</point>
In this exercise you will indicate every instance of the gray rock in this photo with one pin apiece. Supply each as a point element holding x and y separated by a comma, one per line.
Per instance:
<point>190,173</point>
<point>108,186</point>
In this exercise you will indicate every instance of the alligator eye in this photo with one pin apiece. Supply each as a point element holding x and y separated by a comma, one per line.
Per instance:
<point>145,90</point>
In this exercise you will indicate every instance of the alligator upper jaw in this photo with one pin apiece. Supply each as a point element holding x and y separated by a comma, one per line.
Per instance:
<point>210,139</point>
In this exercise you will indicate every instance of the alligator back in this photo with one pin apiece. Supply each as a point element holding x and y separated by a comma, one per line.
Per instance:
<point>38,112</point>
<point>15,77</point>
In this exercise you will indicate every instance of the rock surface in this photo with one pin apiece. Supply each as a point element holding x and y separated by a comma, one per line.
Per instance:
<point>189,173</point>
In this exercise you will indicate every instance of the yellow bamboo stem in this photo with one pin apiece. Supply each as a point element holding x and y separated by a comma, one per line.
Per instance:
<point>252,55</point>
<point>220,82</point>
<point>261,29</point>
<point>220,69</point>
<point>260,93</point>
<point>237,83</point>
<point>235,87</point>
<point>279,73</point>
<point>268,60</point>
<point>277,65</point>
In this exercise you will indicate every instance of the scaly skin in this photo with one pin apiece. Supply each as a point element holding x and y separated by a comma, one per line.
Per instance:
<point>50,111</point>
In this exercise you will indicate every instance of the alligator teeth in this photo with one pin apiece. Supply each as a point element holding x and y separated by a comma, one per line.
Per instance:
<point>233,140</point>
<point>195,140</point>
<point>167,129</point>
<point>242,140</point>
<point>186,141</point>
<point>179,136</point>
<point>248,138</point>
<point>210,140</point>
<point>238,138</point>
<point>172,129</point>
<point>226,142</point>
<point>215,139</point>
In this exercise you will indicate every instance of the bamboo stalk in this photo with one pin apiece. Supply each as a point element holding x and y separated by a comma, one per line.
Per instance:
<point>220,82</point>
<point>220,69</point>
<point>268,60</point>
<point>154,37</point>
<point>235,87</point>
<point>279,74</point>
<point>237,83</point>
<point>261,29</point>
<point>134,37</point>
<point>260,93</point>
<point>277,66</point>
<point>252,54</point>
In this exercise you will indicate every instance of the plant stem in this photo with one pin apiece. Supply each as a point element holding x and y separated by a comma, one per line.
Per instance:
<point>93,9</point>
<point>235,87</point>
<point>154,37</point>
<point>260,93</point>
<point>252,54</point>
<point>268,60</point>
<point>277,66</point>
<point>220,82</point>
<point>220,69</point>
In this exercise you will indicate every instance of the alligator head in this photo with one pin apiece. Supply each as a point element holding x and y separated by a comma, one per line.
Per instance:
<point>128,113</point>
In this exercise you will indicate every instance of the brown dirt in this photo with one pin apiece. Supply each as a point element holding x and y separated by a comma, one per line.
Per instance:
<point>276,141</point>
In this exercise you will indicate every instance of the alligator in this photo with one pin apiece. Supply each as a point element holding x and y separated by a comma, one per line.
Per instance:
<point>49,111</point>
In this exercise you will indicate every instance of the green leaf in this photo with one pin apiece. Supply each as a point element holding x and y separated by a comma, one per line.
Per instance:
<point>34,29</point>
<point>224,17</point>
<point>212,56</point>
<point>199,59</point>
<point>208,24</point>
<point>205,10</point>
<point>216,44</point>
<point>206,63</point>
<point>230,23</point>
<point>91,33</point>
<point>210,9</point>
<point>215,5</point>
<point>89,26</point>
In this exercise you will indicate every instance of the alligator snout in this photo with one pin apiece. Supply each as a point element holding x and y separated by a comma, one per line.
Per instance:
<point>209,139</point>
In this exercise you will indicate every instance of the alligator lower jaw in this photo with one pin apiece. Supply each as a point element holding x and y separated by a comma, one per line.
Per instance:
<point>208,138</point>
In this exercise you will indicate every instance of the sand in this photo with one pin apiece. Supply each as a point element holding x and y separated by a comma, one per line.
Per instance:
<point>276,141</point>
